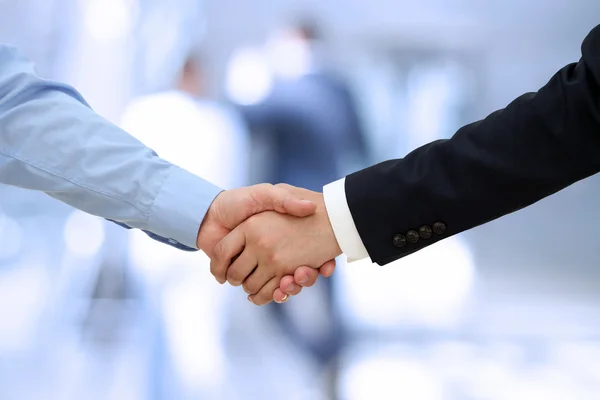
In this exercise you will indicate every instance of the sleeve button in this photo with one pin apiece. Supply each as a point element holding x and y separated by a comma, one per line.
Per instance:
<point>425,232</point>
<point>399,240</point>
<point>439,228</point>
<point>412,236</point>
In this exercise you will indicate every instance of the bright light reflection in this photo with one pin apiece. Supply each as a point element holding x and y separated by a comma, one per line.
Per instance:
<point>249,79</point>
<point>11,233</point>
<point>84,234</point>
<point>107,19</point>
<point>427,288</point>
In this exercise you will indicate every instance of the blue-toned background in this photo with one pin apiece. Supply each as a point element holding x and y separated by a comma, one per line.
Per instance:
<point>510,310</point>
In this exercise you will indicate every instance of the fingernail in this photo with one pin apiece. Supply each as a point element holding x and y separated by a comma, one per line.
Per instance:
<point>284,298</point>
<point>303,279</point>
<point>250,299</point>
<point>290,287</point>
<point>306,201</point>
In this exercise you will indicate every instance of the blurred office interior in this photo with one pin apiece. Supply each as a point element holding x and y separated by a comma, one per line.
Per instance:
<point>509,310</point>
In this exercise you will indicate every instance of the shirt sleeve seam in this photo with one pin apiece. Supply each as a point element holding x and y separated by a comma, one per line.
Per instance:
<point>74,181</point>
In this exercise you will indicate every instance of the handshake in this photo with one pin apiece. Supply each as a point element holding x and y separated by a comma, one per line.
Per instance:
<point>271,240</point>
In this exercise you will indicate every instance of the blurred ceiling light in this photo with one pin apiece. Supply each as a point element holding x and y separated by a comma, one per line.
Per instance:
<point>84,234</point>
<point>248,79</point>
<point>108,19</point>
<point>289,56</point>
<point>11,233</point>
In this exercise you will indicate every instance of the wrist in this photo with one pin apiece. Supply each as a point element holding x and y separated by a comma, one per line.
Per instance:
<point>329,240</point>
<point>204,240</point>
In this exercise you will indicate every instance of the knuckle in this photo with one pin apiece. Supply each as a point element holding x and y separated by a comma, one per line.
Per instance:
<point>264,186</point>
<point>265,244</point>
<point>245,286</point>
<point>286,281</point>
<point>253,221</point>
<point>250,287</point>
<point>248,203</point>
<point>234,276</point>
<point>260,191</point>
<point>275,259</point>
<point>220,251</point>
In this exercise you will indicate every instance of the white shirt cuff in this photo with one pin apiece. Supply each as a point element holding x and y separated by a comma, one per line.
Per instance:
<point>342,222</point>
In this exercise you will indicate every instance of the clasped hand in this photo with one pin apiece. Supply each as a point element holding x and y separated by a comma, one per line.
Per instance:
<point>272,240</point>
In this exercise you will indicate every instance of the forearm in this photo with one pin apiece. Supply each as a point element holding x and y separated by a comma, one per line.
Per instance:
<point>51,141</point>
<point>536,146</point>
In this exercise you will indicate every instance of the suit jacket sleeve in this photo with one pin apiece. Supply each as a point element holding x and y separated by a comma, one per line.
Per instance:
<point>539,144</point>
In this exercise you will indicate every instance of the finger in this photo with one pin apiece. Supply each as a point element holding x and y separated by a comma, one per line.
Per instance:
<point>277,198</point>
<point>298,191</point>
<point>242,268</point>
<point>265,295</point>
<point>258,278</point>
<point>288,286</point>
<point>280,297</point>
<point>327,269</point>
<point>225,251</point>
<point>306,276</point>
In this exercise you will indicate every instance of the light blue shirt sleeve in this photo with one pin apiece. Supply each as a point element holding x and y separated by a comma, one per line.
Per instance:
<point>51,141</point>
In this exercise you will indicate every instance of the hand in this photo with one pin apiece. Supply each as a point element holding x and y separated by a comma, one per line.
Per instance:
<point>269,246</point>
<point>232,207</point>
<point>303,277</point>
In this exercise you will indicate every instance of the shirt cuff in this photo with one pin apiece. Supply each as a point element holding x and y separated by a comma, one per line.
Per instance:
<point>342,222</point>
<point>180,207</point>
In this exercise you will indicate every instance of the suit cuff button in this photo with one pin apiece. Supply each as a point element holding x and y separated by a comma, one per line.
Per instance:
<point>399,240</point>
<point>439,228</point>
<point>412,236</point>
<point>425,232</point>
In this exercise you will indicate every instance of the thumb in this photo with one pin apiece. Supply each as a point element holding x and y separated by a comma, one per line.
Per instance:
<point>276,198</point>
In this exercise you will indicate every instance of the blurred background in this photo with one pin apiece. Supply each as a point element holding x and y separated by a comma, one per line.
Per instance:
<point>302,92</point>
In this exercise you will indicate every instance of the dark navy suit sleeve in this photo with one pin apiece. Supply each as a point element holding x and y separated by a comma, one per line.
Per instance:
<point>539,144</point>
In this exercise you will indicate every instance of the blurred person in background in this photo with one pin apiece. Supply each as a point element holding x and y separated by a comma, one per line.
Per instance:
<point>314,135</point>
<point>309,115</point>
<point>175,123</point>
<point>184,125</point>
<point>52,141</point>
<point>208,139</point>
<point>539,144</point>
